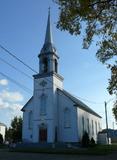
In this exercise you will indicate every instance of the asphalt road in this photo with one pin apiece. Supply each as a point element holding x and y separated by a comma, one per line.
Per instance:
<point>5,155</point>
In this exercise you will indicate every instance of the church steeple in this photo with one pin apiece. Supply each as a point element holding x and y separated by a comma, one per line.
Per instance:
<point>48,43</point>
<point>48,36</point>
<point>48,56</point>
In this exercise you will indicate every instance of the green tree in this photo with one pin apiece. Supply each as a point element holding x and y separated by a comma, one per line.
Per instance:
<point>14,133</point>
<point>1,139</point>
<point>8,134</point>
<point>115,110</point>
<point>93,18</point>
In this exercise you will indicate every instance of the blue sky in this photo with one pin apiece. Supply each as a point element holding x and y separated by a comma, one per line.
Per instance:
<point>22,31</point>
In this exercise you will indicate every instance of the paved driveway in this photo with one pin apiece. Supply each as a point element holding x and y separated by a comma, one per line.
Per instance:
<point>5,155</point>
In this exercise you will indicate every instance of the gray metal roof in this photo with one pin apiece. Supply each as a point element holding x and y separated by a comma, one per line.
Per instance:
<point>79,103</point>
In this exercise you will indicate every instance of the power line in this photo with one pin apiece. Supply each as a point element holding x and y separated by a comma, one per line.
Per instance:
<point>12,66</point>
<point>4,61</point>
<point>93,102</point>
<point>14,56</point>
<point>11,54</point>
<point>17,83</point>
<point>6,50</point>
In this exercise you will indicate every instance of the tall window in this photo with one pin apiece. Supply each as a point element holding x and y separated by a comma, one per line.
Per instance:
<point>30,120</point>
<point>45,65</point>
<point>96,127</point>
<point>88,129</point>
<point>83,129</point>
<point>43,104</point>
<point>67,118</point>
<point>56,66</point>
<point>92,128</point>
<point>99,128</point>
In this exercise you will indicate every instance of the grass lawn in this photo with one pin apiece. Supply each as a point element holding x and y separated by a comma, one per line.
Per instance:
<point>97,150</point>
<point>2,146</point>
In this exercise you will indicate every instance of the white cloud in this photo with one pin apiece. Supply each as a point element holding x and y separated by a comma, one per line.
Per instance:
<point>10,106</point>
<point>10,102</point>
<point>11,96</point>
<point>3,82</point>
<point>3,104</point>
<point>16,107</point>
<point>9,111</point>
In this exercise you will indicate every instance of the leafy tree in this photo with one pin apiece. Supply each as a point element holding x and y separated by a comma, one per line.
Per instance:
<point>8,134</point>
<point>1,139</point>
<point>14,133</point>
<point>113,81</point>
<point>115,110</point>
<point>93,18</point>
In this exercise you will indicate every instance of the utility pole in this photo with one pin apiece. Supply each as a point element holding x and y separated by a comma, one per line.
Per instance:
<point>106,116</point>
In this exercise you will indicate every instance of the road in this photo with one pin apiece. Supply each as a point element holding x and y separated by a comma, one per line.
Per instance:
<point>5,155</point>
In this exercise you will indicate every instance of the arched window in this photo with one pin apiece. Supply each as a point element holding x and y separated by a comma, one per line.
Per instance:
<point>56,66</point>
<point>92,128</point>
<point>45,65</point>
<point>30,120</point>
<point>83,125</point>
<point>96,128</point>
<point>88,128</point>
<point>99,128</point>
<point>67,118</point>
<point>43,104</point>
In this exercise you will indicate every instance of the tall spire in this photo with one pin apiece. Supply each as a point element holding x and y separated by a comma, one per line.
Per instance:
<point>48,43</point>
<point>48,36</point>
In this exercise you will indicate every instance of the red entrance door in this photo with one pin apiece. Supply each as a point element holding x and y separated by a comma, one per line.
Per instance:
<point>43,135</point>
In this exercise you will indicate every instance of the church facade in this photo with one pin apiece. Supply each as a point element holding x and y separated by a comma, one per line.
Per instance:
<point>52,114</point>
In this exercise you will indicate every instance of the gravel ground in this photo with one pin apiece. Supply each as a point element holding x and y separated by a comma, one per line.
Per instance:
<point>5,155</point>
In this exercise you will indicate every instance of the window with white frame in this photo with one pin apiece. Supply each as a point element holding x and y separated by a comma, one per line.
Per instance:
<point>67,118</point>
<point>83,125</point>
<point>43,104</point>
<point>96,127</point>
<point>92,128</point>
<point>30,120</point>
<point>88,129</point>
<point>99,128</point>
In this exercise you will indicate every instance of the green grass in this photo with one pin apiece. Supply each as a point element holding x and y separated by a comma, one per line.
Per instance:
<point>97,150</point>
<point>2,146</point>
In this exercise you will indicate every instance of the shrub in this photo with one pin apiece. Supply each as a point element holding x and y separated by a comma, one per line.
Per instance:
<point>85,140</point>
<point>92,142</point>
<point>1,139</point>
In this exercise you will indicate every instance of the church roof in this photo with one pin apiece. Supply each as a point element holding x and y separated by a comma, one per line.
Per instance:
<point>23,109</point>
<point>79,103</point>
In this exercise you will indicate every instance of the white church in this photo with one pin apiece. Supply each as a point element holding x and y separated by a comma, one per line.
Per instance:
<point>52,114</point>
